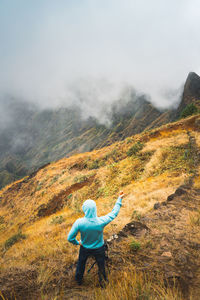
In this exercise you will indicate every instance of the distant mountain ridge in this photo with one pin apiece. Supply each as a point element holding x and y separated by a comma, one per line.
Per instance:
<point>33,137</point>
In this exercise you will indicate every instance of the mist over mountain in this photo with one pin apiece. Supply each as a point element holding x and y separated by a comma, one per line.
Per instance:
<point>51,52</point>
<point>78,76</point>
<point>31,137</point>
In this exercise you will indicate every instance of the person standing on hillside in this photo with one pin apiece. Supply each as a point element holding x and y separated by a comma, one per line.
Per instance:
<point>92,243</point>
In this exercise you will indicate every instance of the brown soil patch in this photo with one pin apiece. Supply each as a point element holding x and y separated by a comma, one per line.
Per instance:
<point>57,202</point>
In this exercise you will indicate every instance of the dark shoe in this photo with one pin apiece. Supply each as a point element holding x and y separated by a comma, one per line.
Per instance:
<point>103,284</point>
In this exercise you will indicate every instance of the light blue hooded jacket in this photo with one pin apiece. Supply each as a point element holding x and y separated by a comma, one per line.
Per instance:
<point>91,227</point>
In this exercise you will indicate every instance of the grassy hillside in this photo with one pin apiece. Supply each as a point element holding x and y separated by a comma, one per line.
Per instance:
<point>37,212</point>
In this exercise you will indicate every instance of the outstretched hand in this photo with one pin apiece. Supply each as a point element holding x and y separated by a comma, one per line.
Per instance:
<point>121,194</point>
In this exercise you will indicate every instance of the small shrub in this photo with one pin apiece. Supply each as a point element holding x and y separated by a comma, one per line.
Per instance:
<point>43,193</point>
<point>93,165</point>
<point>39,186</point>
<point>53,180</point>
<point>129,140</point>
<point>136,215</point>
<point>80,178</point>
<point>189,110</point>
<point>14,239</point>
<point>115,155</point>
<point>69,197</point>
<point>57,220</point>
<point>135,246</point>
<point>135,149</point>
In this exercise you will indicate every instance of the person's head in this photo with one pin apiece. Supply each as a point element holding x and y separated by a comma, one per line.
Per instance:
<point>90,209</point>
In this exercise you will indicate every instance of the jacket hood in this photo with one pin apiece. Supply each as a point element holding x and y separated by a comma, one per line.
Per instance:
<point>90,209</point>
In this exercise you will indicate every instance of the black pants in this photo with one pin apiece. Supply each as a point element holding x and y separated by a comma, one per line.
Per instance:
<point>99,255</point>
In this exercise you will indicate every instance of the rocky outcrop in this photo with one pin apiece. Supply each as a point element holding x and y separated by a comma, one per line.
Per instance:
<point>191,92</point>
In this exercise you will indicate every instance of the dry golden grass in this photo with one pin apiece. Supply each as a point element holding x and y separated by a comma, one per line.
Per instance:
<point>194,218</point>
<point>197,180</point>
<point>131,284</point>
<point>197,137</point>
<point>46,242</point>
<point>166,140</point>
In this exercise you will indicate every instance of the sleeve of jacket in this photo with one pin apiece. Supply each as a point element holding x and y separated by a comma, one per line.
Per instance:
<point>73,233</point>
<point>113,214</point>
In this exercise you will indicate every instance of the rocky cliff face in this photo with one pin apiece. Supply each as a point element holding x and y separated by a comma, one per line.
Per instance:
<point>191,92</point>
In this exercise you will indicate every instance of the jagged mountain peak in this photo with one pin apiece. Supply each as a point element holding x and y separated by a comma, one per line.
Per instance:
<point>193,76</point>
<point>192,86</point>
<point>191,92</point>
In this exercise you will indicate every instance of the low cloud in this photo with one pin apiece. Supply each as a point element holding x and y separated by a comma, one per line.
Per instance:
<point>86,53</point>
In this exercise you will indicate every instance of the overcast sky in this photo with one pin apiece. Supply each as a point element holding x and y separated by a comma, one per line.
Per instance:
<point>50,49</point>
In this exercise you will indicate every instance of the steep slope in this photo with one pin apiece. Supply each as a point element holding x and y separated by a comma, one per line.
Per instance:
<point>36,212</point>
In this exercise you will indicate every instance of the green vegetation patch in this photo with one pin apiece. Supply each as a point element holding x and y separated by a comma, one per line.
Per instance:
<point>114,155</point>
<point>57,220</point>
<point>129,140</point>
<point>137,165</point>
<point>14,239</point>
<point>189,110</point>
<point>135,245</point>
<point>178,158</point>
<point>94,164</point>
<point>133,150</point>
<point>80,178</point>
<point>136,215</point>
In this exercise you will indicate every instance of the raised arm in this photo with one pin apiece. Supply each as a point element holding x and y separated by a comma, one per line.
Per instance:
<point>113,214</point>
<point>73,233</point>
